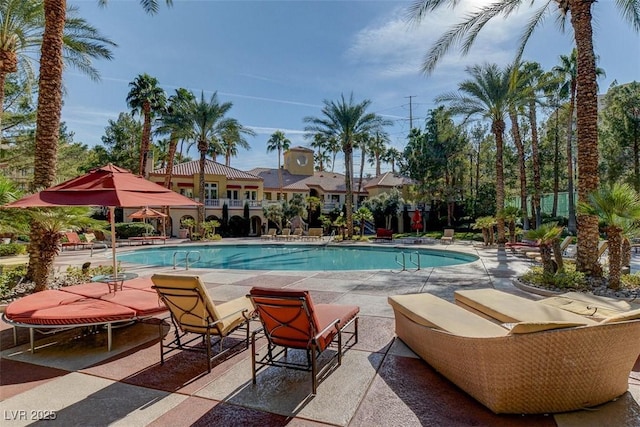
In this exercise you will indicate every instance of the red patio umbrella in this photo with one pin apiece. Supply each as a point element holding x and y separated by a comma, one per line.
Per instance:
<point>106,186</point>
<point>147,212</point>
<point>416,221</point>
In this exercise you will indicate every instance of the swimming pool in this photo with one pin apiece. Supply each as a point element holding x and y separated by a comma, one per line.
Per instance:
<point>294,257</point>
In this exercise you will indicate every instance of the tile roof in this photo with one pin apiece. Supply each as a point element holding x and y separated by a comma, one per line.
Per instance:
<point>214,168</point>
<point>388,179</point>
<point>328,182</point>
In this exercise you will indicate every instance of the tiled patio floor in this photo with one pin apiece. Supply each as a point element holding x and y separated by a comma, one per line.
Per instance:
<point>380,383</point>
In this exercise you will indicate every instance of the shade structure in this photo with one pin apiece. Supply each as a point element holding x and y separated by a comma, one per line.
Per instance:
<point>147,212</point>
<point>109,186</point>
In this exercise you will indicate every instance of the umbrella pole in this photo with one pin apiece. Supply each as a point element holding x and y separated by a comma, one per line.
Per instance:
<point>112,214</point>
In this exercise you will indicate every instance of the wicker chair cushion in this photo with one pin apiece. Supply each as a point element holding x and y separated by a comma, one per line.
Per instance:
<point>431,311</point>
<point>623,317</point>
<point>530,327</point>
<point>510,308</point>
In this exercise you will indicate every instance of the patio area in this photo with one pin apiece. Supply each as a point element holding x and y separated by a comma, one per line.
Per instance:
<point>75,381</point>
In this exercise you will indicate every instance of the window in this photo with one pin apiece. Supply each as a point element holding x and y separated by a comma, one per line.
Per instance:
<point>187,192</point>
<point>267,196</point>
<point>210,190</point>
<point>251,195</point>
<point>232,194</point>
<point>335,198</point>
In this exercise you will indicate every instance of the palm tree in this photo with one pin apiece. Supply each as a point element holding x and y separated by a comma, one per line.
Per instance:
<point>50,106</point>
<point>487,94</point>
<point>321,158</point>
<point>362,215</point>
<point>173,121</point>
<point>378,148</point>
<point>363,141</point>
<point>147,99</point>
<point>280,143</point>
<point>517,85</point>
<point>208,121</point>
<point>547,236</point>
<point>232,138</point>
<point>21,26</point>
<point>345,120</point>
<point>615,206</point>
<point>586,95</point>
<point>392,156</point>
<point>536,81</point>
<point>567,73</point>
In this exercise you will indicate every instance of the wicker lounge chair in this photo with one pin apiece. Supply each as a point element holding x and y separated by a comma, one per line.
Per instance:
<point>290,320</point>
<point>535,367</point>
<point>196,318</point>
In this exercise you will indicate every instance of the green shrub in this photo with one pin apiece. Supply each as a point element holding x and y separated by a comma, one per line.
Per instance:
<point>568,279</point>
<point>12,249</point>
<point>133,229</point>
<point>9,279</point>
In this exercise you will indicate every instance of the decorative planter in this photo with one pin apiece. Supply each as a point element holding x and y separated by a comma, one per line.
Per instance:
<point>183,233</point>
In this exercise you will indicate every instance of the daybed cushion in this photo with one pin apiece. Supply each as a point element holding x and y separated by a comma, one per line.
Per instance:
<point>530,327</point>
<point>623,317</point>
<point>510,308</point>
<point>432,311</point>
<point>70,310</point>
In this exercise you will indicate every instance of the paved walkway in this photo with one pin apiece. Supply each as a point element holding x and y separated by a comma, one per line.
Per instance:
<point>381,382</point>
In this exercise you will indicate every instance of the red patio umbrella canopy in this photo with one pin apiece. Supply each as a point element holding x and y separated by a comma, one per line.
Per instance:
<point>416,220</point>
<point>147,212</point>
<point>106,186</point>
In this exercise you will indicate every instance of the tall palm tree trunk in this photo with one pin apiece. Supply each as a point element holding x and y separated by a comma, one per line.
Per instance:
<point>8,64</point>
<point>348,181</point>
<point>498,127</point>
<point>537,190</point>
<point>517,139</point>
<point>587,127</point>
<point>146,136</point>
<point>572,223</point>
<point>614,238</point>
<point>202,147</point>
<point>47,123</point>
<point>556,167</point>
<point>173,145</point>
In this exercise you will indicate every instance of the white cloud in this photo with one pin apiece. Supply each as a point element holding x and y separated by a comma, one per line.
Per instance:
<point>395,47</point>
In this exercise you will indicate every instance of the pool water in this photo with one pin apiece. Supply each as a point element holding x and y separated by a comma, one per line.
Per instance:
<point>294,257</point>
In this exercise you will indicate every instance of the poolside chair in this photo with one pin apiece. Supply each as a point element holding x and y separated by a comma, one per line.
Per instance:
<point>271,234</point>
<point>297,234</point>
<point>291,320</point>
<point>447,236</point>
<point>72,239</point>
<point>286,233</point>
<point>196,318</point>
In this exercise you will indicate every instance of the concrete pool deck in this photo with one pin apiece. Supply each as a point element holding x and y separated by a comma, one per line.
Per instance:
<point>381,382</point>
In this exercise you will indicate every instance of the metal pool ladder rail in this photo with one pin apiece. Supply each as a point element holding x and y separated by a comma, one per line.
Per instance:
<point>403,261</point>
<point>186,258</point>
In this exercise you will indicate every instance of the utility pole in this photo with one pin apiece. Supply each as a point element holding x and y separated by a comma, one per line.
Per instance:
<point>410,111</point>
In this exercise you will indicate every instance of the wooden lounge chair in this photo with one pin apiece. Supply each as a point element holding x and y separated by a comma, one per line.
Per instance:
<point>271,234</point>
<point>447,236</point>
<point>534,367</point>
<point>291,320</point>
<point>196,318</point>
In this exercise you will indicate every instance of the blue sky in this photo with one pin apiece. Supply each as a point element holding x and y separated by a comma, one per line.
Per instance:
<point>276,61</point>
